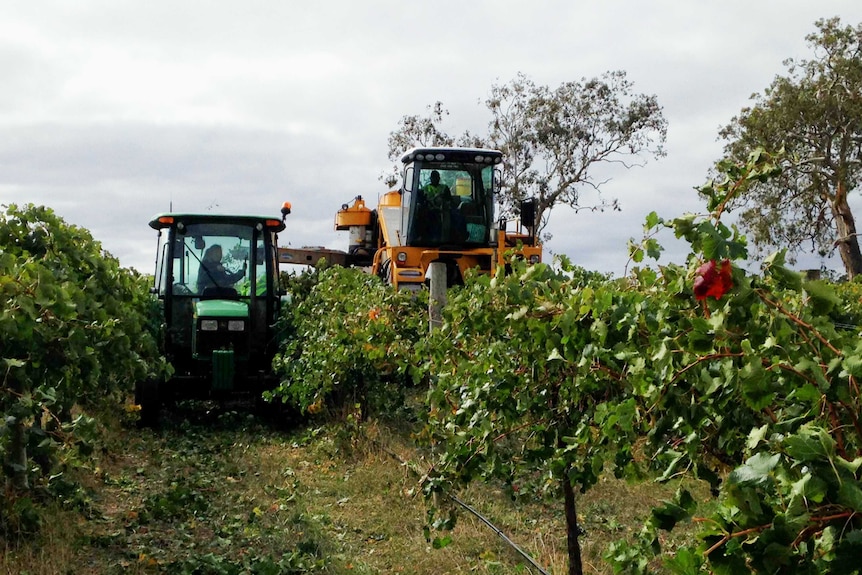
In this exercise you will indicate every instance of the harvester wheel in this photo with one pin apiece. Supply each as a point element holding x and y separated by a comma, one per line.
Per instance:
<point>385,272</point>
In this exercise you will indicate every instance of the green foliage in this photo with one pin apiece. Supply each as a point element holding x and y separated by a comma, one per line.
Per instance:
<point>848,313</point>
<point>761,384</point>
<point>552,138</point>
<point>543,378</point>
<point>349,340</point>
<point>527,385</point>
<point>76,329</point>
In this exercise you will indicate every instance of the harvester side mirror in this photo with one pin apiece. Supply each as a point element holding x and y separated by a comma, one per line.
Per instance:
<point>407,180</point>
<point>528,214</point>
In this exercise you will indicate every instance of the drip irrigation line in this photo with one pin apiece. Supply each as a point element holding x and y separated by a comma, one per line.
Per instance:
<point>409,465</point>
<point>502,535</point>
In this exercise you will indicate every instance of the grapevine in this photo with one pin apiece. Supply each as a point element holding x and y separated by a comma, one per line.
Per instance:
<point>76,331</point>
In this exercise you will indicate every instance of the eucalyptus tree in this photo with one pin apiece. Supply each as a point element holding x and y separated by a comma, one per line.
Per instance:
<point>814,114</point>
<point>554,139</point>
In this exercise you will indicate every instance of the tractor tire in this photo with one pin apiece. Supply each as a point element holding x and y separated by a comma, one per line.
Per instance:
<point>148,398</point>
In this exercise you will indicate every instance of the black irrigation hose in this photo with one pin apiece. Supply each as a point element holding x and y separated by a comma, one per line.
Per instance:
<point>502,535</point>
<point>481,518</point>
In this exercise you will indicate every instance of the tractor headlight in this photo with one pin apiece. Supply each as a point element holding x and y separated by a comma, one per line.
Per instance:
<point>401,257</point>
<point>236,325</point>
<point>535,258</point>
<point>209,325</point>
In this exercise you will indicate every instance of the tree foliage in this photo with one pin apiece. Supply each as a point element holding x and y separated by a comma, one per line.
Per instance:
<point>417,131</point>
<point>814,114</point>
<point>553,139</point>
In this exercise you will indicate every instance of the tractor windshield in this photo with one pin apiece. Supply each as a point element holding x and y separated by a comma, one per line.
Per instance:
<point>452,205</point>
<point>215,259</point>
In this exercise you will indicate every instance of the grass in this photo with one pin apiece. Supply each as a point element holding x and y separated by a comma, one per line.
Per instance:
<point>222,492</point>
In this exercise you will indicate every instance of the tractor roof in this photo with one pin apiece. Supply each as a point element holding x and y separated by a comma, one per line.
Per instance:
<point>166,220</point>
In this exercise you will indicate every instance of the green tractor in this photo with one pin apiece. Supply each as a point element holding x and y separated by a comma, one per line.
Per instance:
<point>217,281</point>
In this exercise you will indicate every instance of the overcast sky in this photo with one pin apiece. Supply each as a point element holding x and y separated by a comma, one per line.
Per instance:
<point>114,111</point>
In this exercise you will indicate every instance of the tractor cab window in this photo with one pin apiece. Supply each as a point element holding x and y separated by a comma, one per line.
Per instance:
<point>214,259</point>
<point>451,205</point>
<point>259,263</point>
<point>163,264</point>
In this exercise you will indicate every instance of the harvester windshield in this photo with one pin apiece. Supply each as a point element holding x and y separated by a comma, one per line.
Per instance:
<point>452,204</point>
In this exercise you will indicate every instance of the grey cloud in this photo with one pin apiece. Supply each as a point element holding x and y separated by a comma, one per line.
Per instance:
<point>112,178</point>
<point>241,106</point>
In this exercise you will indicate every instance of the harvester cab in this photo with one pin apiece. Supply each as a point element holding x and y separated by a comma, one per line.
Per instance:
<point>217,284</point>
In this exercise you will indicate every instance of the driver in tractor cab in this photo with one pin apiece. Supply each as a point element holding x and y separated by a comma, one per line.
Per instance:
<point>212,272</point>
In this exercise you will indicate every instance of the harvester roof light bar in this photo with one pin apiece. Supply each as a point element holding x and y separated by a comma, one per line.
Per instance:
<point>438,157</point>
<point>457,154</point>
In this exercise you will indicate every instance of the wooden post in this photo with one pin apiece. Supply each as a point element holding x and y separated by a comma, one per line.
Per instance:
<point>437,299</point>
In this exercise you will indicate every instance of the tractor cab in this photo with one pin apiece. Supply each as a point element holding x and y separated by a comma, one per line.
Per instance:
<point>217,282</point>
